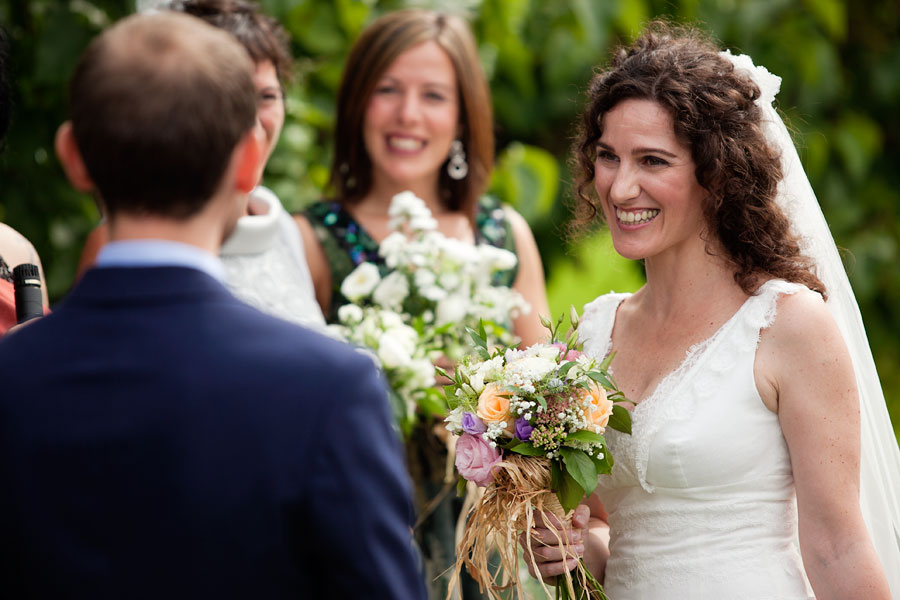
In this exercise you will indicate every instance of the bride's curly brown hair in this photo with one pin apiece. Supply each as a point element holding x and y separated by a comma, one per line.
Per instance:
<point>714,112</point>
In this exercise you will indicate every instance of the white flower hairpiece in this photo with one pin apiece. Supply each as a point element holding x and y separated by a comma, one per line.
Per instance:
<point>769,84</point>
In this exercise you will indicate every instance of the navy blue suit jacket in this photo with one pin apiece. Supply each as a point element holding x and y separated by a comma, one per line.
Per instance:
<point>161,439</point>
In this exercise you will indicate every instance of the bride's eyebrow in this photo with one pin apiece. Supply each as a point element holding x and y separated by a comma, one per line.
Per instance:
<point>651,150</point>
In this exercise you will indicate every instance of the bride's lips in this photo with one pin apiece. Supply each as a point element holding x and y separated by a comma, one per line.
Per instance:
<point>635,217</point>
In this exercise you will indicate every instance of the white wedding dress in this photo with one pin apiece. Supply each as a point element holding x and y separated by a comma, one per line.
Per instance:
<point>265,265</point>
<point>701,499</point>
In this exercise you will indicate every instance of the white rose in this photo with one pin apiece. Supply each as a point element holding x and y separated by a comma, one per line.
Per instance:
<point>531,368</point>
<point>454,420</point>
<point>433,293</point>
<point>392,352</point>
<point>548,352</point>
<point>360,282</point>
<point>477,382</point>
<point>497,258</point>
<point>405,203</point>
<point>450,309</point>
<point>424,278</point>
<point>422,373</point>
<point>392,290</point>
<point>390,319</point>
<point>392,248</point>
<point>350,313</point>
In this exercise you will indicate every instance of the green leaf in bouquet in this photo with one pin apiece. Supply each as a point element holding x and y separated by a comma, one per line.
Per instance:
<point>450,396</point>
<point>461,486</point>
<point>569,491</point>
<point>511,444</point>
<point>605,463</point>
<point>541,401</point>
<point>527,449</point>
<point>600,378</point>
<point>604,366</point>
<point>580,466</point>
<point>433,402</point>
<point>478,337</point>
<point>565,368</point>
<point>588,437</point>
<point>620,419</point>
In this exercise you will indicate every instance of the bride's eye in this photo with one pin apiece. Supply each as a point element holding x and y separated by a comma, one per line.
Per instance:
<point>655,161</point>
<point>606,156</point>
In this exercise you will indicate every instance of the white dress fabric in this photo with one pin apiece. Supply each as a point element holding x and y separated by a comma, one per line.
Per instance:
<point>701,499</point>
<point>265,264</point>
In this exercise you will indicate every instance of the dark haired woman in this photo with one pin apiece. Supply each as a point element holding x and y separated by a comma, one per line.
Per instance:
<point>746,432</point>
<point>264,259</point>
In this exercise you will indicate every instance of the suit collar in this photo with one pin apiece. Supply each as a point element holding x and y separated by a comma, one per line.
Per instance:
<point>146,284</point>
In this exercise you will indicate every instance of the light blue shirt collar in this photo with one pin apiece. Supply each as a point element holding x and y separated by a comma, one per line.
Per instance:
<point>159,253</point>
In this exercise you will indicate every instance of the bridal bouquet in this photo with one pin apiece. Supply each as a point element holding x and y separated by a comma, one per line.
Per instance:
<point>435,287</point>
<point>530,426</point>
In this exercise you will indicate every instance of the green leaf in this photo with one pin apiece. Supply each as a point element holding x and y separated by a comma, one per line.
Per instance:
<point>569,492</point>
<point>478,337</point>
<point>604,366</point>
<point>565,368</point>
<point>580,466</point>
<point>527,449</point>
<point>588,437</point>
<point>604,464</point>
<point>600,378</point>
<point>620,419</point>
<point>461,486</point>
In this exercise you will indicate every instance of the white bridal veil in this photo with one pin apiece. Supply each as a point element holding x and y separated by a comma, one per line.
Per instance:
<point>880,458</point>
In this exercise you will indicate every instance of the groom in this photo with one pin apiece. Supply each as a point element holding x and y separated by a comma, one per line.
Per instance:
<point>158,438</point>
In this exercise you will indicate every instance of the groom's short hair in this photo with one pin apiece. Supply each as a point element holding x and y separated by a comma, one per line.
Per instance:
<point>158,104</point>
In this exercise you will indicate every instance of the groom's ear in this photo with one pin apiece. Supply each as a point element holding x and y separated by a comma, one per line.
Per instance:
<point>70,158</point>
<point>249,155</point>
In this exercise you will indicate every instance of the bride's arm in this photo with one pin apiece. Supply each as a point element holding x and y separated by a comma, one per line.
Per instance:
<point>589,538</point>
<point>803,370</point>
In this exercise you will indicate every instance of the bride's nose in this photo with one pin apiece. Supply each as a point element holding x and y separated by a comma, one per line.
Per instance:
<point>624,185</point>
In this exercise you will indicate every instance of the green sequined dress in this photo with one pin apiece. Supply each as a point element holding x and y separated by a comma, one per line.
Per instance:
<point>346,245</point>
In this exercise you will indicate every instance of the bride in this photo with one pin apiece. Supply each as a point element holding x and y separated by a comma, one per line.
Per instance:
<point>746,436</point>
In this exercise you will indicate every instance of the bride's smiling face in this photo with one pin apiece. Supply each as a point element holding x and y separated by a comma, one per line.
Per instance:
<point>644,177</point>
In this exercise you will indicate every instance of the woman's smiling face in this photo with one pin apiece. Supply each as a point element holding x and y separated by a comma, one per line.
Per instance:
<point>644,177</point>
<point>412,117</point>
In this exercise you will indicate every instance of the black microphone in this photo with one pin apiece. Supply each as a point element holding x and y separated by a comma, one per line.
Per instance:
<point>27,284</point>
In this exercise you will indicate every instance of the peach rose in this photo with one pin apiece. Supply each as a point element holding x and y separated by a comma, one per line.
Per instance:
<point>493,404</point>
<point>599,408</point>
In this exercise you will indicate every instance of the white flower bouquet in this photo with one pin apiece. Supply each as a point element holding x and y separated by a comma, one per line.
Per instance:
<point>530,426</point>
<point>418,313</point>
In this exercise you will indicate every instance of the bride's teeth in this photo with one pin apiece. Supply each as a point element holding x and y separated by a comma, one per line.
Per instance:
<point>636,217</point>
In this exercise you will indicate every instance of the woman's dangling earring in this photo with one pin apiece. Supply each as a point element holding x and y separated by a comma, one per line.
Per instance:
<point>457,168</point>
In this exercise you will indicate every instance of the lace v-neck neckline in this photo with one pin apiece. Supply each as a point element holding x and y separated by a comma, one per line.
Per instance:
<point>691,355</point>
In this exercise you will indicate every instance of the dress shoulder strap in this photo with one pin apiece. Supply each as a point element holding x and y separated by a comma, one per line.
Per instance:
<point>345,243</point>
<point>597,322</point>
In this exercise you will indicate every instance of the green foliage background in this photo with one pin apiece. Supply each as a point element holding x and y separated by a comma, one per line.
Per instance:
<point>840,61</point>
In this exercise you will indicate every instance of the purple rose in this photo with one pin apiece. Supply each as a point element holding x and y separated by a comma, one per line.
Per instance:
<point>472,424</point>
<point>475,459</point>
<point>523,429</point>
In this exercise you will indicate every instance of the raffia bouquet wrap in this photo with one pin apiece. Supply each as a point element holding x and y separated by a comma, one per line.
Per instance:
<point>530,426</point>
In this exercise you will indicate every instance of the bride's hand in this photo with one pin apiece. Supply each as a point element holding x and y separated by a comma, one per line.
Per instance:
<point>550,556</point>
